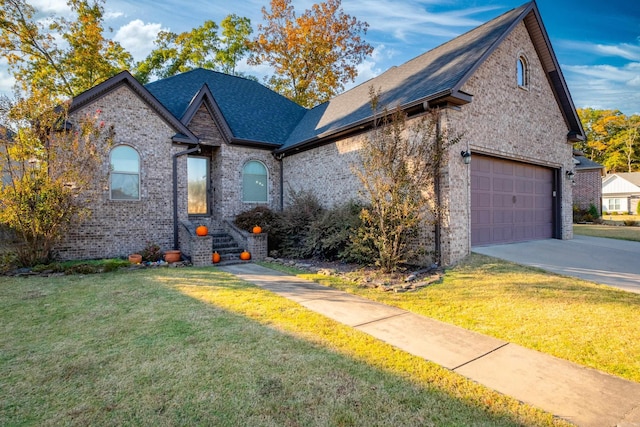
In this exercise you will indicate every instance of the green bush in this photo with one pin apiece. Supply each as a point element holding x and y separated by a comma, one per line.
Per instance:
<point>334,235</point>
<point>630,222</point>
<point>593,211</point>
<point>297,218</point>
<point>638,208</point>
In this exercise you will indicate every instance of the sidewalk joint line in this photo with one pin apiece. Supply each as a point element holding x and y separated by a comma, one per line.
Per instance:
<point>481,356</point>
<point>382,318</point>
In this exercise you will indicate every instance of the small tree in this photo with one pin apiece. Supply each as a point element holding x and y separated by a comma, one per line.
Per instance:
<point>50,169</point>
<point>400,171</point>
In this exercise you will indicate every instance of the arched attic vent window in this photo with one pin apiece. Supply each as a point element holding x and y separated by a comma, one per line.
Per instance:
<point>523,72</point>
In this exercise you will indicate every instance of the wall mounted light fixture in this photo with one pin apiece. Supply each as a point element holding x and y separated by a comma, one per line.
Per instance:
<point>570,175</point>
<point>466,156</point>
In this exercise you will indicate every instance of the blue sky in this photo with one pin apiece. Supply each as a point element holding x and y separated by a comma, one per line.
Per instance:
<point>597,43</point>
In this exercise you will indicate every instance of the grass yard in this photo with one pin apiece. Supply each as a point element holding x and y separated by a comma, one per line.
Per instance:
<point>592,325</point>
<point>609,231</point>
<point>198,347</point>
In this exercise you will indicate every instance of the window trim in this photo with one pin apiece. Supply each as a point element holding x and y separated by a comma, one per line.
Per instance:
<point>242,173</point>
<point>208,189</point>
<point>139,173</point>
<point>522,79</point>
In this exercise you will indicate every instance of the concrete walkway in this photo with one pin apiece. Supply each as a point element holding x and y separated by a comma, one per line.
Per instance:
<point>583,396</point>
<point>605,261</point>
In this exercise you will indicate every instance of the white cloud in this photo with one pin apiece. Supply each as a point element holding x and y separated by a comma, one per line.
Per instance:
<point>605,86</point>
<point>627,51</point>
<point>137,37</point>
<point>51,6</point>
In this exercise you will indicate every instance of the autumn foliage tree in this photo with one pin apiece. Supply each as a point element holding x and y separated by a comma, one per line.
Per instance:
<point>60,56</point>
<point>51,171</point>
<point>201,47</point>
<point>400,171</point>
<point>613,139</point>
<point>313,55</point>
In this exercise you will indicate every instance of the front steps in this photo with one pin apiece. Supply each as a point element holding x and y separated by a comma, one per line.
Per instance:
<point>226,246</point>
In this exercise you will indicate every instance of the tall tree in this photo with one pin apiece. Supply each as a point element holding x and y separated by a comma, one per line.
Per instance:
<point>200,47</point>
<point>234,44</point>
<point>613,139</point>
<point>314,54</point>
<point>400,171</point>
<point>50,172</point>
<point>40,62</point>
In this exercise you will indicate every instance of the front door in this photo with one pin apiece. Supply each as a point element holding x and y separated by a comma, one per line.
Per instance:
<point>198,185</point>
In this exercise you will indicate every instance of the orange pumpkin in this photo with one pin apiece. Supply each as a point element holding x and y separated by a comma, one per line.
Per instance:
<point>245,256</point>
<point>202,230</point>
<point>215,257</point>
<point>257,229</point>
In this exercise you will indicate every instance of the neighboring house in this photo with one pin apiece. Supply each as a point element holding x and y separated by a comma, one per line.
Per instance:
<point>621,192</point>
<point>587,188</point>
<point>230,144</point>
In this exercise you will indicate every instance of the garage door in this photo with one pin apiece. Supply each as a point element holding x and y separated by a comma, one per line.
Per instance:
<point>510,201</point>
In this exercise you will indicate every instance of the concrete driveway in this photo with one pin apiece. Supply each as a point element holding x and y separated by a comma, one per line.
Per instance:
<point>605,261</point>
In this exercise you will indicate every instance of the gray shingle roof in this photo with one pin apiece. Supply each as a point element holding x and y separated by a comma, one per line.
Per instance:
<point>252,111</point>
<point>632,177</point>
<point>437,72</point>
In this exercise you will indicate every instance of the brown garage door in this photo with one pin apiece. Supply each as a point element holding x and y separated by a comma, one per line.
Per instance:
<point>510,201</point>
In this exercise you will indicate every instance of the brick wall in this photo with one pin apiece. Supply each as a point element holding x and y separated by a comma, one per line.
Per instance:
<point>118,228</point>
<point>588,189</point>
<point>503,120</point>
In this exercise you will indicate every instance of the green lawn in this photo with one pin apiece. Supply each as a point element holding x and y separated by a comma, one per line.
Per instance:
<point>592,325</point>
<point>609,231</point>
<point>198,347</point>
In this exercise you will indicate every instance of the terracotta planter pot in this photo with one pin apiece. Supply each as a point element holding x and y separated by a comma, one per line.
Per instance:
<point>135,258</point>
<point>172,255</point>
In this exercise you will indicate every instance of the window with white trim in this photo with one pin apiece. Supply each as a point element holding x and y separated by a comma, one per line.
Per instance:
<point>124,180</point>
<point>523,72</point>
<point>254,182</point>
<point>614,205</point>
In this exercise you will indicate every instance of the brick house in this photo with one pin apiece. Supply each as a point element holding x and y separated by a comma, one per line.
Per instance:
<point>201,147</point>
<point>587,182</point>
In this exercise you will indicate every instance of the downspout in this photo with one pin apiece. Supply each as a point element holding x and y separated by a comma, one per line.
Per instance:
<point>279,158</point>
<point>175,191</point>
<point>436,188</point>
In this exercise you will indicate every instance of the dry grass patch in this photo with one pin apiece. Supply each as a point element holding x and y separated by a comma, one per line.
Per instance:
<point>199,347</point>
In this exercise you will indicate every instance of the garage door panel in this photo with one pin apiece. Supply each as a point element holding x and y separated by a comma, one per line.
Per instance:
<point>510,201</point>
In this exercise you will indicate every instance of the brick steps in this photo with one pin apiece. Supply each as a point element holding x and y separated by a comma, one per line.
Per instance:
<point>226,246</point>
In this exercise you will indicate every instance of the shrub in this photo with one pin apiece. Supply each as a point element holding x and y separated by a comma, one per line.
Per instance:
<point>630,222</point>
<point>151,252</point>
<point>638,208</point>
<point>593,211</point>
<point>297,218</point>
<point>267,219</point>
<point>333,235</point>
<point>582,215</point>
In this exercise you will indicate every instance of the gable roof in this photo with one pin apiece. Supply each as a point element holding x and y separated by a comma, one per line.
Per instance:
<point>632,178</point>
<point>251,112</point>
<point>582,163</point>
<point>126,79</point>
<point>434,77</point>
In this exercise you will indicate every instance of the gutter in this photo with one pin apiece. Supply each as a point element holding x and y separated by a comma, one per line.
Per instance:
<point>175,191</point>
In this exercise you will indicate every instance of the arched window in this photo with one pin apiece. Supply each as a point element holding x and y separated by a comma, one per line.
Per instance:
<point>523,72</point>
<point>254,182</point>
<point>124,181</point>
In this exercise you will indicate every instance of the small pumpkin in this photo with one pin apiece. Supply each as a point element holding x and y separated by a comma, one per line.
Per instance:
<point>202,230</point>
<point>257,229</point>
<point>245,256</point>
<point>215,257</point>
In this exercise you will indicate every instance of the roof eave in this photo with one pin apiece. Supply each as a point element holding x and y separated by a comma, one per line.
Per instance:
<point>125,78</point>
<point>444,98</point>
